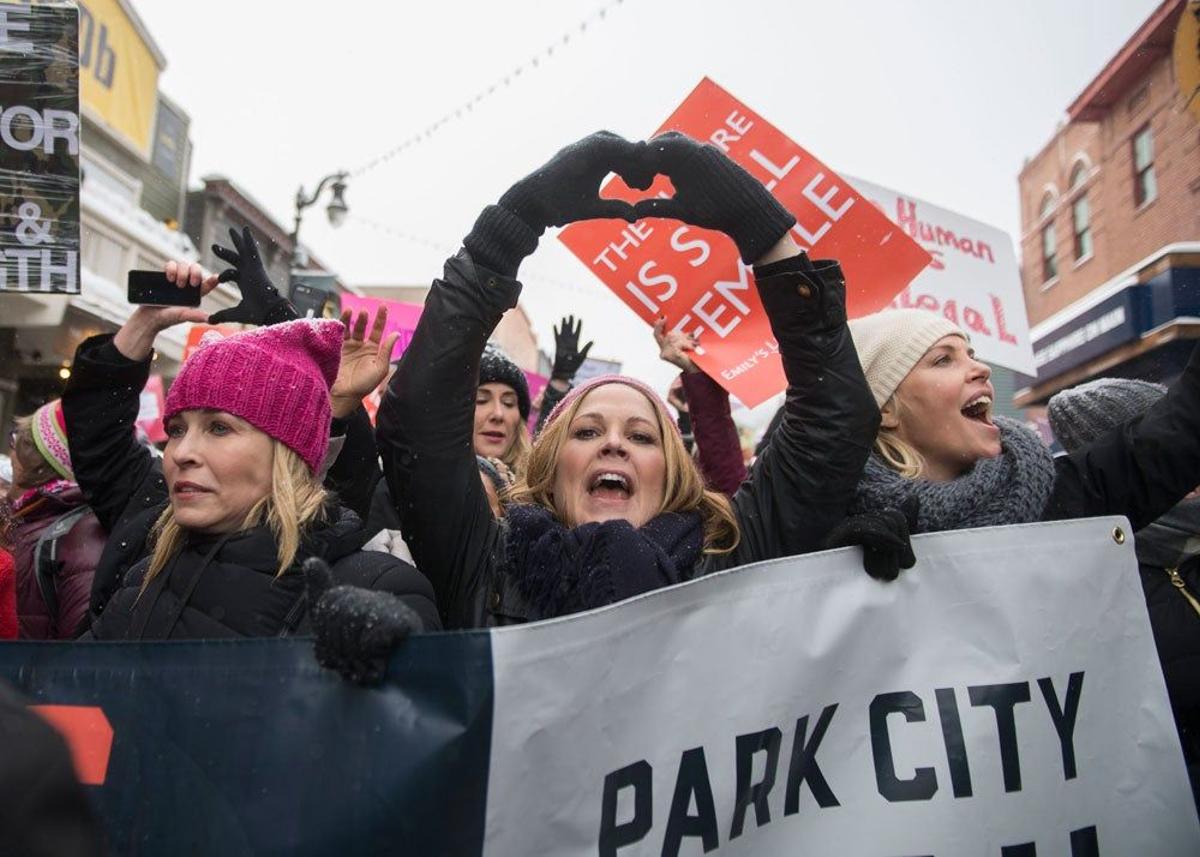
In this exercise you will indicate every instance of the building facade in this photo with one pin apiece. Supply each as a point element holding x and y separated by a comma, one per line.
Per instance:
<point>134,159</point>
<point>1110,222</point>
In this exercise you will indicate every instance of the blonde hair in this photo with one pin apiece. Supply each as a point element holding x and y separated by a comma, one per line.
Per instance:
<point>684,490</point>
<point>897,453</point>
<point>516,457</point>
<point>296,500</point>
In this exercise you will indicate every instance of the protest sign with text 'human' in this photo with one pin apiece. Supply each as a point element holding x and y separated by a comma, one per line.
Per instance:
<point>694,276</point>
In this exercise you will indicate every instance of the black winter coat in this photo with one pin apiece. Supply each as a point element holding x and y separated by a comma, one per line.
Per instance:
<point>1176,627</point>
<point>795,494</point>
<point>215,587</point>
<point>1140,469</point>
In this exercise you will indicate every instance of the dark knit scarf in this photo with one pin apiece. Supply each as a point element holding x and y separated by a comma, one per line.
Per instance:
<point>562,570</point>
<point>1012,488</point>
<point>1172,539</point>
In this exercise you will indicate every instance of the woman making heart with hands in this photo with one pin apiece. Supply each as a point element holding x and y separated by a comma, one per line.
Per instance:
<point>611,505</point>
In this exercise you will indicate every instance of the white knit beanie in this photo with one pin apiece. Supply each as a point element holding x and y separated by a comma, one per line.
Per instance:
<point>890,343</point>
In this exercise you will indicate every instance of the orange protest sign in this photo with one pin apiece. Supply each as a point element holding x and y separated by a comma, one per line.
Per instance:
<point>196,333</point>
<point>694,276</point>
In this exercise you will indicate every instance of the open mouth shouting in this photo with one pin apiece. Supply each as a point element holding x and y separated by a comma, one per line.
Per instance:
<point>610,486</point>
<point>979,409</point>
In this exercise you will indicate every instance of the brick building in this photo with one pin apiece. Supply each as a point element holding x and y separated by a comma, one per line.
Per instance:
<point>1110,224</point>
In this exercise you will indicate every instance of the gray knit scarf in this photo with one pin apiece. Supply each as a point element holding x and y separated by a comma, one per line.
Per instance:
<point>1172,539</point>
<point>1012,488</point>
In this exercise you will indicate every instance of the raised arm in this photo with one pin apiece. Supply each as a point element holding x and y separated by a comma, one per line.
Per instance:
<point>424,425</point>
<point>802,485</point>
<point>568,357</point>
<point>718,447</point>
<point>100,402</point>
<point>1141,468</point>
<point>365,357</point>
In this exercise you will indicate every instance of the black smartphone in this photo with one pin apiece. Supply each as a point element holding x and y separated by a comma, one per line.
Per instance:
<point>153,288</point>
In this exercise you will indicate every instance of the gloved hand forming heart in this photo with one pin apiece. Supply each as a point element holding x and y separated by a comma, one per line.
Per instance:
<point>713,192</point>
<point>567,187</point>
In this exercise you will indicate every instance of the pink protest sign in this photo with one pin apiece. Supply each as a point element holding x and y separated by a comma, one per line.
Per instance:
<point>402,317</point>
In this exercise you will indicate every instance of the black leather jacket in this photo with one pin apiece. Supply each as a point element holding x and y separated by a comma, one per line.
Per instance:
<point>794,495</point>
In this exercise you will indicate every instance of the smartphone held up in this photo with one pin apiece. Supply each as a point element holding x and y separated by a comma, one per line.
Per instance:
<point>154,289</point>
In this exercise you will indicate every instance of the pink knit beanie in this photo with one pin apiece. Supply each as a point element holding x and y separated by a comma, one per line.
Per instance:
<point>276,378</point>
<point>599,381</point>
<point>49,430</point>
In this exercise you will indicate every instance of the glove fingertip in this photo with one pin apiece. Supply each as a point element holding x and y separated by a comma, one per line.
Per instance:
<point>318,577</point>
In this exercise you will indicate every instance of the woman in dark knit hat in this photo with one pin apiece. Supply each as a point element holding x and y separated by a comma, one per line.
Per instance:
<point>502,410</point>
<point>208,541</point>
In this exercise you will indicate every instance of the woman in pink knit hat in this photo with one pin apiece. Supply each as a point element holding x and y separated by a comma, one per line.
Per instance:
<point>208,542</point>
<point>611,505</point>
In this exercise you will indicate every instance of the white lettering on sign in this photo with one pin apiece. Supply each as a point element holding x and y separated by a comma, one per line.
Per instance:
<point>672,285</point>
<point>730,303</point>
<point>631,236</point>
<point>774,169</point>
<point>44,257</point>
<point>1092,330</point>
<point>736,127</point>
<point>822,202</point>
<point>8,26</point>
<point>41,129</point>
<point>697,244</point>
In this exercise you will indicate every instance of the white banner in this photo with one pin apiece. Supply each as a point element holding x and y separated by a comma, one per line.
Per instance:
<point>1001,698</point>
<point>973,279</point>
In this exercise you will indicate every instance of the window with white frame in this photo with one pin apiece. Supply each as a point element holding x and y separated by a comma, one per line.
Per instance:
<point>1145,186</point>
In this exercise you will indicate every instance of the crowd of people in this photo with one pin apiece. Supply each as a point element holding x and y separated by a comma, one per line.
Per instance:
<point>278,508</point>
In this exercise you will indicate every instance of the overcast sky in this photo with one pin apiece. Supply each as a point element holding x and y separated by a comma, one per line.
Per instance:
<point>940,99</point>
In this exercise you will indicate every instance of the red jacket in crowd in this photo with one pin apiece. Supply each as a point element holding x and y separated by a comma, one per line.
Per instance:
<point>8,597</point>
<point>78,552</point>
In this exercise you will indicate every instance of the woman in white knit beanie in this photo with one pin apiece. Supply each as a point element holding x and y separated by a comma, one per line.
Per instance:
<point>940,442</point>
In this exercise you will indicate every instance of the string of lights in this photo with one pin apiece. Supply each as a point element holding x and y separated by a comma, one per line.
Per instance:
<point>534,62</point>
<point>528,272</point>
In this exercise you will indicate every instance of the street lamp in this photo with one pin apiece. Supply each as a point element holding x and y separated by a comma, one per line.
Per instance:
<point>336,210</point>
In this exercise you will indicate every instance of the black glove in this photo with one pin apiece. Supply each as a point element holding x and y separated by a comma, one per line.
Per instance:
<point>261,302</point>
<point>567,187</point>
<point>356,629</point>
<point>713,192</point>
<point>883,536</point>
<point>568,357</point>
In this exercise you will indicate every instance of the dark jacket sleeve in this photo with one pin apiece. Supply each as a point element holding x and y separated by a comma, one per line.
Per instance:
<point>100,406</point>
<point>802,484</point>
<point>356,472</point>
<point>718,447</point>
<point>550,399</point>
<point>424,433</point>
<point>1141,468</point>
<point>386,573</point>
